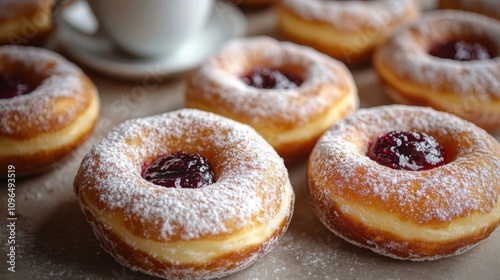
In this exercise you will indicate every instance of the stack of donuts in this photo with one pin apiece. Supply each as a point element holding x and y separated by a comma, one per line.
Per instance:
<point>204,191</point>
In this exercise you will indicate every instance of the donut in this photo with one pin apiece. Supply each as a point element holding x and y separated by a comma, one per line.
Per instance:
<point>187,223</point>
<point>25,22</point>
<point>489,8</point>
<point>290,94</point>
<point>450,61</point>
<point>48,107</point>
<point>254,3</point>
<point>407,182</point>
<point>346,30</point>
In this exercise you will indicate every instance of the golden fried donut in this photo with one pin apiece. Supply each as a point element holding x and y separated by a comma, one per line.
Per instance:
<point>48,107</point>
<point>182,233</point>
<point>489,8</point>
<point>254,3</point>
<point>25,21</point>
<point>469,89</point>
<point>300,93</point>
<point>346,30</point>
<point>418,215</point>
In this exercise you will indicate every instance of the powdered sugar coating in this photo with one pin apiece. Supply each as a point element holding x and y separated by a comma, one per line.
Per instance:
<point>408,150</point>
<point>351,16</point>
<point>406,54</point>
<point>37,111</point>
<point>325,81</point>
<point>467,185</point>
<point>488,7</point>
<point>250,177</point>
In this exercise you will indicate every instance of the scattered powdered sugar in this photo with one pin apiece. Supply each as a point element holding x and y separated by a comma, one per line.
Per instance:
<point>218,82</point>
<point>353,15</point>
<point>468,184</point>
<point>406,54</point>
<point>250,176</point>
<point>60,80</point>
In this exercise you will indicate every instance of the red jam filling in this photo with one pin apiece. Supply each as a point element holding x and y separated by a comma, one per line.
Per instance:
<point>461,51</point>
<point>266,78</point>
<point>179,170</point>
<point>11,87</point>
<point>407,151</point>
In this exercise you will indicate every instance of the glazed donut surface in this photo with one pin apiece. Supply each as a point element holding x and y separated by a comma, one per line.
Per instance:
<point>415,215</point>
<point>346,30</point>
<point>291,120</point>
<point>469,89</point>
<point>38,128</point>
<point>180,233</point>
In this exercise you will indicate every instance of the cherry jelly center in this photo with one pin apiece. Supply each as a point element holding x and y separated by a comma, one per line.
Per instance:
<point>179,170</point>
<point>265,78</point>
<point>11,87</point>
<point>407,151</point>
<point>461,51</point>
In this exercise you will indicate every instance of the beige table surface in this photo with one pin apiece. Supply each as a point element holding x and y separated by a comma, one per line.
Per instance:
<point>55,242</point>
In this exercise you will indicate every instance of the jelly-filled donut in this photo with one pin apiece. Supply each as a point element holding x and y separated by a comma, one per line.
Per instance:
<point>346,30</point>
<point>449,60</point>
<point>24,22</point>
<point>254,3</point>
<point>48,107</point>
<point>407,182</point>
<point>290,94</point>
<point>185,195</point>
<point>489,8</point>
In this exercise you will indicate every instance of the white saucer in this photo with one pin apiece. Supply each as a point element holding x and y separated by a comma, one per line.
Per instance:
<point>225,23</point>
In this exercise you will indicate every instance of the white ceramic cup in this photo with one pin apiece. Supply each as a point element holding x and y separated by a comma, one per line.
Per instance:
<point>148,28</point>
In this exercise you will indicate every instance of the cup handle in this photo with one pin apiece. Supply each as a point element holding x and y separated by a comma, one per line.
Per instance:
<point>81,37</point>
